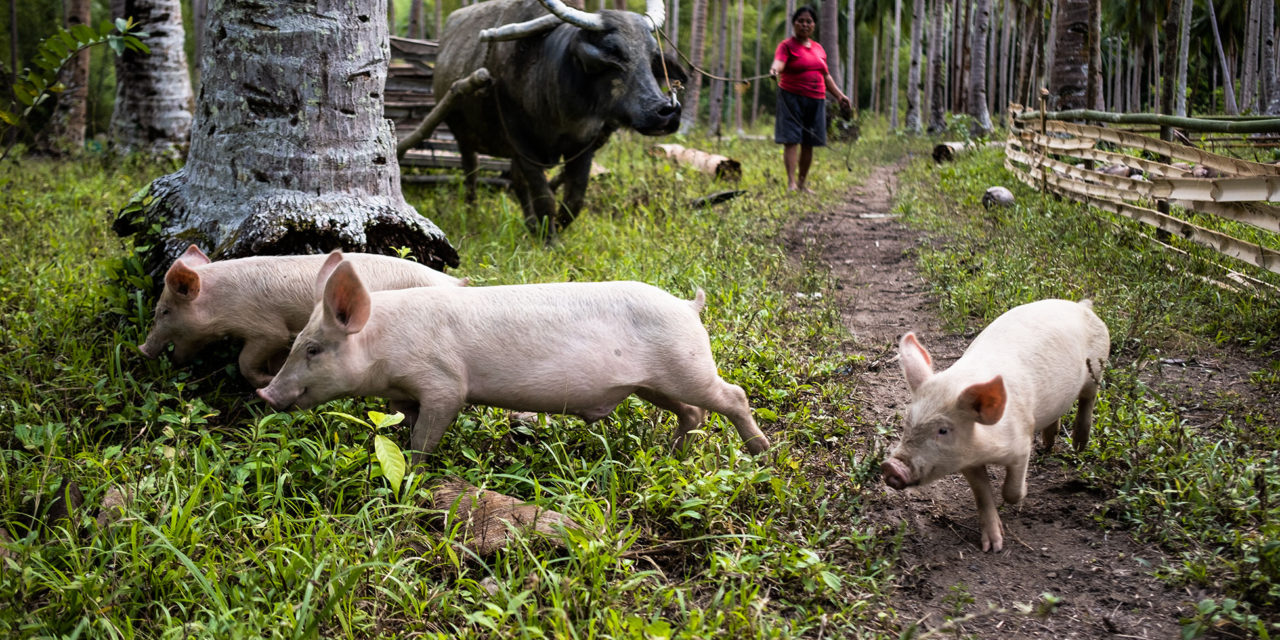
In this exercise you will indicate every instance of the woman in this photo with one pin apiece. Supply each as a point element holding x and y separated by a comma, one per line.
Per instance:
<point>800,67</point>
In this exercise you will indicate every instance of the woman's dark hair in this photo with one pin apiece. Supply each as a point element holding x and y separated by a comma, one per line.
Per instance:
<point>806,9</point>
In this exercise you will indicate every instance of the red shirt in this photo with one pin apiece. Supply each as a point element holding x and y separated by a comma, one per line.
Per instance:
<point>806,68</point>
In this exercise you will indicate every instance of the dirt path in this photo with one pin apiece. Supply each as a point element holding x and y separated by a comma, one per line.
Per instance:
<point>1052,543</point>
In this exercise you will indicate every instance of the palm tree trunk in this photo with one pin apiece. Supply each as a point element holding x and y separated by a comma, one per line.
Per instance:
<point>755,84</point>
<point>322,173</point>
<point>673,22</point>
<point>1249,72</point>
<point>1006,53</point>
<point>1068,79</point>
<point>1229,91</point>
<point>829,35</point>
<point>1184,50</point>
<point>1270,80</point>
<point>913,119</point>
<point>438,7</point>
<point>1033,20</point>
<point>417,19</point>
<point>67,126</point>
<point>735,92</point>
<point>199,12</point>
<point>981,125</point>
<point>992,39</point>
<point>897,46</point>
<point>153,91</point>
<point>937,86</point>
<point>697,35</point>
<point>926,93</point>
<point>722,63</point>
<point>875,70</point>
<point>851,69</point>
<point>1093,93</point>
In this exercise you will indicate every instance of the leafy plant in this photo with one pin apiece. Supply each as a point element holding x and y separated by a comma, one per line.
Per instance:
<point>34,85</point>
<point>391,461</point>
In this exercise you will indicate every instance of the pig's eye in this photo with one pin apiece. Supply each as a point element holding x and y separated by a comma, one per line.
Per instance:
<point>313,350</point>
<point>942,431</point>
<point>164,312</point>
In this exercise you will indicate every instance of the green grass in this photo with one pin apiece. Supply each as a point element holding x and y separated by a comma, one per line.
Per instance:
<point>243,522</point>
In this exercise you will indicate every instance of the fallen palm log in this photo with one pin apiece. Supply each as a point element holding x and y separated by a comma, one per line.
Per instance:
<point>720,166</point>
<point>477,80</point>
<point>489,521</point>
<point>948,151</point>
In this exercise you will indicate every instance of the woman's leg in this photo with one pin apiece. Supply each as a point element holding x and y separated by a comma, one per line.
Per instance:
<point>790,153</point>
<point>806,159</point>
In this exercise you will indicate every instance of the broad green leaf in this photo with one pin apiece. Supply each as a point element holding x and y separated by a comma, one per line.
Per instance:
<point>9,118</point>
<point>70,40</point>
<point>83,34</point>
<point>117,45</point>
<point>136,44</point>
<point>122,25</point>
<point>391,459</point>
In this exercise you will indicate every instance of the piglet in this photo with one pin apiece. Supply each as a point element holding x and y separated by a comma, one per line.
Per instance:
<point>1018,378</point>
<point>263,300</point>
<point>576,348</point>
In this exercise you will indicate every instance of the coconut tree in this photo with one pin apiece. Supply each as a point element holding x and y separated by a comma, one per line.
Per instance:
<point>1180,63</point>
<point>290,152</point>
<point>829,34</point>
<point>981,124</point>
<point>693,92</point>
<point>913,118</point>
<point>1229,88</point>
<point>937,88</point>
<point>67,127</point>
<point>153,91</point>
<point>897,46</point>
<point>1068,77</point>
<point>417,19</point>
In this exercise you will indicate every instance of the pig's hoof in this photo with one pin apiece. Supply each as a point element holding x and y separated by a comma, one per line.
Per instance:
<point>524,418</point>
<point>993,542</point>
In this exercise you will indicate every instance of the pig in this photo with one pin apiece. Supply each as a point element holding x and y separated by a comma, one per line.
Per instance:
<point>573,348</point>
<point>263,300</point>
<point>1017,378</point>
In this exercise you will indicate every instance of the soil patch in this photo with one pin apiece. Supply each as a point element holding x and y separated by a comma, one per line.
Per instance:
<point>1054,541</point>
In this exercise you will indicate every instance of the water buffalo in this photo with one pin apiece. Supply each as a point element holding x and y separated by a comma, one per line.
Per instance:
<point>562,83</point>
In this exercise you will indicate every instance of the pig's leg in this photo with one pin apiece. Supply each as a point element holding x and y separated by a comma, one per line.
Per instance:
<point>1084,416</point>
<point>408,407</point>
<point>1015,480</point>
<point>730,401</point>
<point>688,416</point>
<point>988,519</point>
<point>1050,435</point>
<point>255,361</point>
<point>435,413</point>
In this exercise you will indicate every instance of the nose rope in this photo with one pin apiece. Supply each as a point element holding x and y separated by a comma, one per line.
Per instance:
<point>675,102</point>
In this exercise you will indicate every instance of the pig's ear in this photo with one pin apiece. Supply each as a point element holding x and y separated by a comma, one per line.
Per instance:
<point>326,270</point>
<point>183,281</point>
<point>917,366</point>
<point>194,257</point>
<point>985,400</point>
<point>346,302</point>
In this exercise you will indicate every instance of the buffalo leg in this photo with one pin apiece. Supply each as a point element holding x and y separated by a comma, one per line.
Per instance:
<point>536,198</point>
<point>574,177</point>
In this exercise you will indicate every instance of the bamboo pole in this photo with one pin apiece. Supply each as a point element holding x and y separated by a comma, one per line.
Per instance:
<point>1259,125</point>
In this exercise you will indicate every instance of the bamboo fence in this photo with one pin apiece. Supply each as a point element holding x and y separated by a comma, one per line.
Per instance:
<point>1053,155</point>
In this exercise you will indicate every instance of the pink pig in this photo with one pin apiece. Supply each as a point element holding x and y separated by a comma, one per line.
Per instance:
<point>576,348</point>
<point>262,300</point>
<point>1017,378</point>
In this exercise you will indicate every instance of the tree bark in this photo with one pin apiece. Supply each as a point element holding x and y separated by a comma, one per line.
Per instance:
<point>981,124</point>
<point>851,68</point>
<point>937,88</point>
<point>829,35</point>
<point>957,40</point>
<point>1249,63</point>
<point>1270,79</point>
<point>897,46</point>
<point>692,94</point>
<point>291,153</point>
<point>1229,92</point>
<point>1181,63</point>
<point>199,10</point>
<point>755,84</point>
<point>67,127</point>
<point>673,22</point>
<point>417,20</point>
<point>1031,24</point>
<point>1168,79</point>
<point>1068,79</point>
<point>913,120</point>
<point>1093,91</point>
<point>735,65</point>
<point>721,58</point>
<point>153,91</point>
<point>875,70</point>
<point>438,6</point>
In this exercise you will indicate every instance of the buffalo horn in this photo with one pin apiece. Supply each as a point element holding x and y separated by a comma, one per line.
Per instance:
<point>656,11</point>
<point>520,29</point>
<point>575,17</point>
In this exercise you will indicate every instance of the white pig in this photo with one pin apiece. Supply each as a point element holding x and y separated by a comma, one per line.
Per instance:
<point>1020,375</point>
<point>263,300</point>
<point>576,348</point>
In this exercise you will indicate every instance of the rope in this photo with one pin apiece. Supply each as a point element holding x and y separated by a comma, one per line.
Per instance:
<point>702,71</point>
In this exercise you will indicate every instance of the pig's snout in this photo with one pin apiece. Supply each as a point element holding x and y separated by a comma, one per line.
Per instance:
<point>147,350</point>
<point>269,396</point>
<point>896,474</point>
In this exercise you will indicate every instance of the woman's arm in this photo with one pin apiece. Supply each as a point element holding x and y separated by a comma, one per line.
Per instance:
<point>776,67</point>
<point>835,90</point>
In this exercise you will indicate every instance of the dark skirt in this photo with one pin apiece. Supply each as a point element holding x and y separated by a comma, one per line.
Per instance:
<point>800,120</point>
